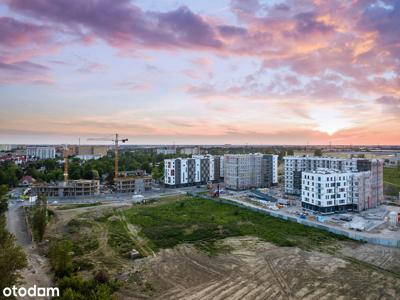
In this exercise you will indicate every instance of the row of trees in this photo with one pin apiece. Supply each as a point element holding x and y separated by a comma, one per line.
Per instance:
<point>50,170</point>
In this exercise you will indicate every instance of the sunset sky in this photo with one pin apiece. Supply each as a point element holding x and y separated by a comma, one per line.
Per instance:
<point>200,72</point>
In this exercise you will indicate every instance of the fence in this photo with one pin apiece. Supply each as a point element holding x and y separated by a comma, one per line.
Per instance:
<point>352,235</point>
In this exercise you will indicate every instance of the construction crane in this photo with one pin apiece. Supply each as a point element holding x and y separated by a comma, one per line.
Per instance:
<point>65,154</point>
<point>116,140</point>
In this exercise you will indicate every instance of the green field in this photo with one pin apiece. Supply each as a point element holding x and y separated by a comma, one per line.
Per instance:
<point>201,222</point>
<point>391,178</point>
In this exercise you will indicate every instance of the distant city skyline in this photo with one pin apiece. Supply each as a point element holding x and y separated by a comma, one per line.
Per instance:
<point>289,72</point>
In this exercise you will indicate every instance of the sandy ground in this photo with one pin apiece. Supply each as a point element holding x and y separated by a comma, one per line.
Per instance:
<point>249,269</point>
<point>254,269</point>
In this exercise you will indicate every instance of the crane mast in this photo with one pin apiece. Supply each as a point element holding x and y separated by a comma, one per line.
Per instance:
<point>65,154</point>
<point>116,141</point>
<point>116,157</point>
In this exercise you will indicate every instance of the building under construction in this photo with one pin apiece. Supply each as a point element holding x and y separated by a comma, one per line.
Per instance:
<point>132,184</point>
<point>70,188</point>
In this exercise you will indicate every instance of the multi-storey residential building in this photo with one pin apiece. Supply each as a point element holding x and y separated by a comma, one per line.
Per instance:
<point>221,166</point>
<point>41,152</point>
<point>199,169</point>
<point>246,171</point>
<point>166,151</point>
<point>329,191</point>
<point>214,165</point>
<point>242,171</point>
<point>269,170</point>
<point>190,150</point>
<point>295,165</point>
<point>329,184</point>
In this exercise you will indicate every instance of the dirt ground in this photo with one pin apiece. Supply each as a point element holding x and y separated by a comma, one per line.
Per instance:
<point>254,269</point>
<point>248,268</point>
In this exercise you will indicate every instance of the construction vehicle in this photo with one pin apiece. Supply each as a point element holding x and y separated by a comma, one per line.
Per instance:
<point>116,140</point>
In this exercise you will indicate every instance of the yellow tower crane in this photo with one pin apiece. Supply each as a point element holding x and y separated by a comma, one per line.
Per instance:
<point>65,155</point>
<point>116,140</point>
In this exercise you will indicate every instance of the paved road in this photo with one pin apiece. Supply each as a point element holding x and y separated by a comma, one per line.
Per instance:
<point>16,224</point>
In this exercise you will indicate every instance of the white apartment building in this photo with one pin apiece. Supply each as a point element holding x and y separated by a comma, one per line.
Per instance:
<point>330,191</point>
<point>221,166</point>
<point>199,169</point>
<point>295,165</point>
<point>41,152</point>
<point>214,166</point>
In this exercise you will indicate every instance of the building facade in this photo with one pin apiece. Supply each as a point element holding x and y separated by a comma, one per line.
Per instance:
<point>41,152</point>
<point>71,188</point>
<point>247,171</point>
<point>166,151</point>
<point>200,169</point>
<point>242,171</point>
<point>190,150</point>
<point>329,191</point>
<point>269,170</point>
<point>295,165</point>
<point>329,185</point>
<point>136,185</point>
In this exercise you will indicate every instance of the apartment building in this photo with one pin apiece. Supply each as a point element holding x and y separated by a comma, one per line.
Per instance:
<point>136,184</point>
<point>214,166</point>
<point>199,169</point>
<point>71,188</point>
<point>190,150</point>
<point>246,171</point>
<point>269,170</point>
<point>295,165</point>
<point>330,191</point>
<point>41,152</point>
<point>166,151</point>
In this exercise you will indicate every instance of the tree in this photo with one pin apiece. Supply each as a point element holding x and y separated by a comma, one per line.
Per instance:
<point>60,258</point>
<point>12,257</point>
<point>3,198</point>
<point>39,218</point>
<point>318,152</point>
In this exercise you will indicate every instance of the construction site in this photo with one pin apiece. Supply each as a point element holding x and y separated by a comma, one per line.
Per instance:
<point>124,182</point>
<point>242,266</point>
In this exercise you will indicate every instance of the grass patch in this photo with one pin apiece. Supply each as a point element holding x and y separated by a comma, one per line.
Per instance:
<point>391,178</point>
<point>119,238</point>
<point>196,220</point>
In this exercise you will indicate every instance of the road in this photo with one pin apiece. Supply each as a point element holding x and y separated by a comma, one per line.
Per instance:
<point>16,224</point>
<point>124,197</point>
<point>37,271</point>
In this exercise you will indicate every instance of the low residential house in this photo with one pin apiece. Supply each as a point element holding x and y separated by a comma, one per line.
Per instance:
<point>27,181</point>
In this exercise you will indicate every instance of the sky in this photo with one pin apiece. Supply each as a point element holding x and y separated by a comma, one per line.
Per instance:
<point>200,72</point>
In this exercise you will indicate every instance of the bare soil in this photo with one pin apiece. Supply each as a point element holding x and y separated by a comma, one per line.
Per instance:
<point>247,268</point>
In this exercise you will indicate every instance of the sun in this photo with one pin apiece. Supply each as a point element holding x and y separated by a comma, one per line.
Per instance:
<point>330,121</point>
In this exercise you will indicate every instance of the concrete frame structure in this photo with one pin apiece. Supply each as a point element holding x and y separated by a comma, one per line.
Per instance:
<point>136,185</point>
<point>71,188</point>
